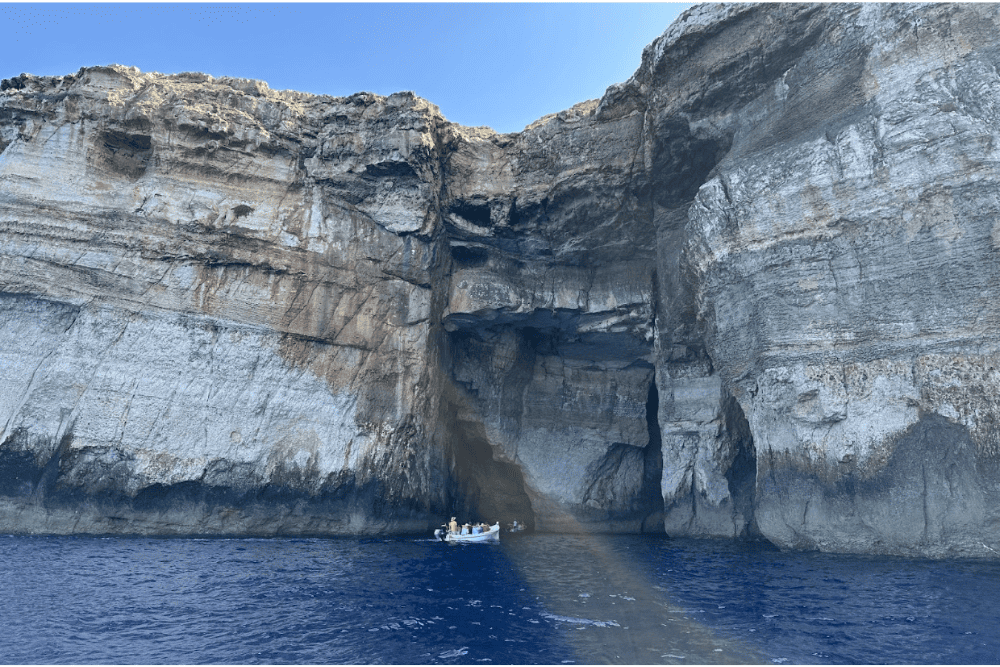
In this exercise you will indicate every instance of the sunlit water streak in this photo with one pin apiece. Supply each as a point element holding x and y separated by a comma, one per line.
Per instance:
<point>536,599</point>
<point>610,606</point>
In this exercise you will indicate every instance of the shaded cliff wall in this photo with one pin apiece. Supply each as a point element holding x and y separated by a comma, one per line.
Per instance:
<point>549,314</point>
<point>747,292</point>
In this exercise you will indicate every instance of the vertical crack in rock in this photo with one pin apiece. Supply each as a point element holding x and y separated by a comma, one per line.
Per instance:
<point>50,472</point>
<point>742,472</point>
<point>653,463</point>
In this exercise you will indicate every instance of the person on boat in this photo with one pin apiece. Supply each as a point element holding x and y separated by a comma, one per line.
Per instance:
<point>477,529</point>
<point>453,526</point>
<point>465,529</point>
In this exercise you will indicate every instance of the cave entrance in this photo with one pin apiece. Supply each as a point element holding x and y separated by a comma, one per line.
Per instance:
<point>485,489</point>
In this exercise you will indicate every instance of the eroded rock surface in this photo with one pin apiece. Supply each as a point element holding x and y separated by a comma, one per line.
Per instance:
<point>214,318</point>
<point>749,292</point>
<point>844,258</point>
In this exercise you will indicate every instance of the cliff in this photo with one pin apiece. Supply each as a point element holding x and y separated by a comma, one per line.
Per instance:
<point>749,292</point>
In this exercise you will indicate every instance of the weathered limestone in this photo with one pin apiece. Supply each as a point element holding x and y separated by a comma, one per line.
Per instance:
<point>549,316</point>
<point>844,257</point>
<point>298,273</point>
<point>203,317</point>
<point>748,293</point>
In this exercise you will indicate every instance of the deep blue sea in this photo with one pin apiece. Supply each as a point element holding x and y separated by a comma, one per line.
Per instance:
<point>550,599</point>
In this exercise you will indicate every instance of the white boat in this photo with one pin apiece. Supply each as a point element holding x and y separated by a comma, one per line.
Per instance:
<point>492,535</point>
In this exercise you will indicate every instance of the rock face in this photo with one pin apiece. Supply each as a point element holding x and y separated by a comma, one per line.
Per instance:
<point>216,315</point>
<point>748,293</point>
<point>845,256</point>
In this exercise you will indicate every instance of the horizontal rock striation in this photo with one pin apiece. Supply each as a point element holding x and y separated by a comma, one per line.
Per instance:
<point>213,319</point>
<point>747,293</point>
<point>845,260</point>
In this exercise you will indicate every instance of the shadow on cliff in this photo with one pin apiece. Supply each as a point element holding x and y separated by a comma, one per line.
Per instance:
<point>482,488</point>
<point>487,400</point>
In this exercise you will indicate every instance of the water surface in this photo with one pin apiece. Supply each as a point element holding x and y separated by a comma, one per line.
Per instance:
<point>536,599</point>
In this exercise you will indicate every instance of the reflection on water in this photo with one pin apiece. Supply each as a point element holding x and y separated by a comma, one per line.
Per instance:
<point>599,592</point>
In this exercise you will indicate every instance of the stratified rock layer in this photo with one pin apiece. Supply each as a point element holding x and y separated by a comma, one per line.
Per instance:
<point>749,292</point>
<point>205,328</point>
<point>845,257</point>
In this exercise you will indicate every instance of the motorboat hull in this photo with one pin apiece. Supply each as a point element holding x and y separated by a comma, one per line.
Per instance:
<point>492,535</point>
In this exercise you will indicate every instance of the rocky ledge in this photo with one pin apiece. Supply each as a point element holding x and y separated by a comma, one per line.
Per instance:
<point>749,293</point>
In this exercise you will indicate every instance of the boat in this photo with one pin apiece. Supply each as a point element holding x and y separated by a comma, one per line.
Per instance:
<point>492,535</point>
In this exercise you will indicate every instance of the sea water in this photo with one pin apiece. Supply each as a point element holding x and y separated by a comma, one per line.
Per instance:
<point>553,599</point>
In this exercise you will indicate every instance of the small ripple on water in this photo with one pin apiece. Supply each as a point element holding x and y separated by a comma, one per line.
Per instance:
<point>581,621</point>
<point>454,653</point>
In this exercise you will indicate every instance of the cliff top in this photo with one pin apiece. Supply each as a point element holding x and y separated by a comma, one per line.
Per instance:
<point>137,91</point>
<point>124,82</point>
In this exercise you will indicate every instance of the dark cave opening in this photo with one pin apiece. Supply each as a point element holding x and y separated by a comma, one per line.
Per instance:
<point>477,213</point>
<point>469,256</point>
<point>742,473</point>
<point>652,497</point>
<point>652,415</point>
<point>125,154</point>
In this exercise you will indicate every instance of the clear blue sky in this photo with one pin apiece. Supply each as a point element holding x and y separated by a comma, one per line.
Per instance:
<point>502,65</point>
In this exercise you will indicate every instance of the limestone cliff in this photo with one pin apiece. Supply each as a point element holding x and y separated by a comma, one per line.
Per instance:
<point>217,317</point>
<point>845,261</point>
<point>749,292</point>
